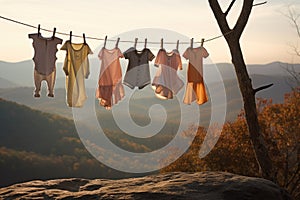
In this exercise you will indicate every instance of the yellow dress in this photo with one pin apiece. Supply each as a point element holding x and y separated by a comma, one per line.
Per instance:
<point>76,68</point>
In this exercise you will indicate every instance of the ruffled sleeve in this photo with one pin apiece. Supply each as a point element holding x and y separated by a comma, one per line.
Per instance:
<point>65,67</point>
<point>151,56</point>
<point>204,54</point>
<point>158,59</point>
<point>120,55</point>
<point>100,54</point>
<point>186,54</point>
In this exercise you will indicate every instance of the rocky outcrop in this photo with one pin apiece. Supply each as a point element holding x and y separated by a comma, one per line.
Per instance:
<point>202,185</point>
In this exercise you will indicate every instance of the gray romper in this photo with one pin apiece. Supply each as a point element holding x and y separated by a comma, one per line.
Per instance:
<point>138,73</point>
<point>44,59</point>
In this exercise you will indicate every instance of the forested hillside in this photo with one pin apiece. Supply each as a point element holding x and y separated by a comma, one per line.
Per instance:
<point>37,145</point>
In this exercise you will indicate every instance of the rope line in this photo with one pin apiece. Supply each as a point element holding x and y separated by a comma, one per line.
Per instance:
<point>102,39</point>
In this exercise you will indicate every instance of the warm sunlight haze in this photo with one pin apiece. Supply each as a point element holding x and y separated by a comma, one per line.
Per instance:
<point>266,39</point>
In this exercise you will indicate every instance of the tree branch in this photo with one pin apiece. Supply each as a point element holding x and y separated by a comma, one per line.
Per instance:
<point>294,18</point>
<point>262,88</point>
<point>243,18</point>
<point>229,8</point>
<point>220,16</point>
<point>259,4</point>
<point>297,52</point>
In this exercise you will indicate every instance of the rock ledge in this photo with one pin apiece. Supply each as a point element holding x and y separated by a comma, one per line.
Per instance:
<point>202,185</point>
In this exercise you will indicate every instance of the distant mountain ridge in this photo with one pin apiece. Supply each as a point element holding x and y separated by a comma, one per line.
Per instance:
<point>21,73</point>
<point>143,99</point>
<point>4,83</point>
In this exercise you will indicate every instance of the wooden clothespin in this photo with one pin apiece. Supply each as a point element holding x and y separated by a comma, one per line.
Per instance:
<point>135,42</point>
<point>145,43</point>
<point>39,29</point>
<point>54,31</point>
<point>84,40</point>
<point>70,36</point>
<point>202,42</point>
<point>117,43</point>
<point>192,42</point>
<point>162,43</point>
<point>177,46</point>
<point>105,41</point>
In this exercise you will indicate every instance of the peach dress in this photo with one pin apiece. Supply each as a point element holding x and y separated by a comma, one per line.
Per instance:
<point>166,81</point>
<point>195,89</point>
<point>110,89</point>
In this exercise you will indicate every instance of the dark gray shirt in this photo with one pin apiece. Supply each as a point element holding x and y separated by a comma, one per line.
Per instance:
<point>138,73</point>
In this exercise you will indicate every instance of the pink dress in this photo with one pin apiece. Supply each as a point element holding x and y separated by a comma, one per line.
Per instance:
<point>110,89</point>
<point>166,81</point>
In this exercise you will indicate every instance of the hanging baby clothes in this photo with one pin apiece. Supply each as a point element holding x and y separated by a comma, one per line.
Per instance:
<point>110,89</point>
<point>138,73</point>
<point>195,89</point>
<point>44,59</point>
<point>76,68</point>
<point>166,81</point>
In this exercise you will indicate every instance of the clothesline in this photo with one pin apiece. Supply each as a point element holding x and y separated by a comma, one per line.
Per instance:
<point>111,40</point>
<point>110,89</point>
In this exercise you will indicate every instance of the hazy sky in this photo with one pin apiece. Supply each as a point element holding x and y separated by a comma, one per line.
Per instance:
<point>267,36</point>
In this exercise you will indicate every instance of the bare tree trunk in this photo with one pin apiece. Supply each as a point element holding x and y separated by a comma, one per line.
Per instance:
<point>261,152</point>
<point>232,37</point>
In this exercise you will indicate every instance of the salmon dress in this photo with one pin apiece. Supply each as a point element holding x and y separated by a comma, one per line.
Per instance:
<point>110,89</point>
<point>195,89</point>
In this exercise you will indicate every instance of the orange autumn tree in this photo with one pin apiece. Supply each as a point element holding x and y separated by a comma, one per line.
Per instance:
<point>280,126</point>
